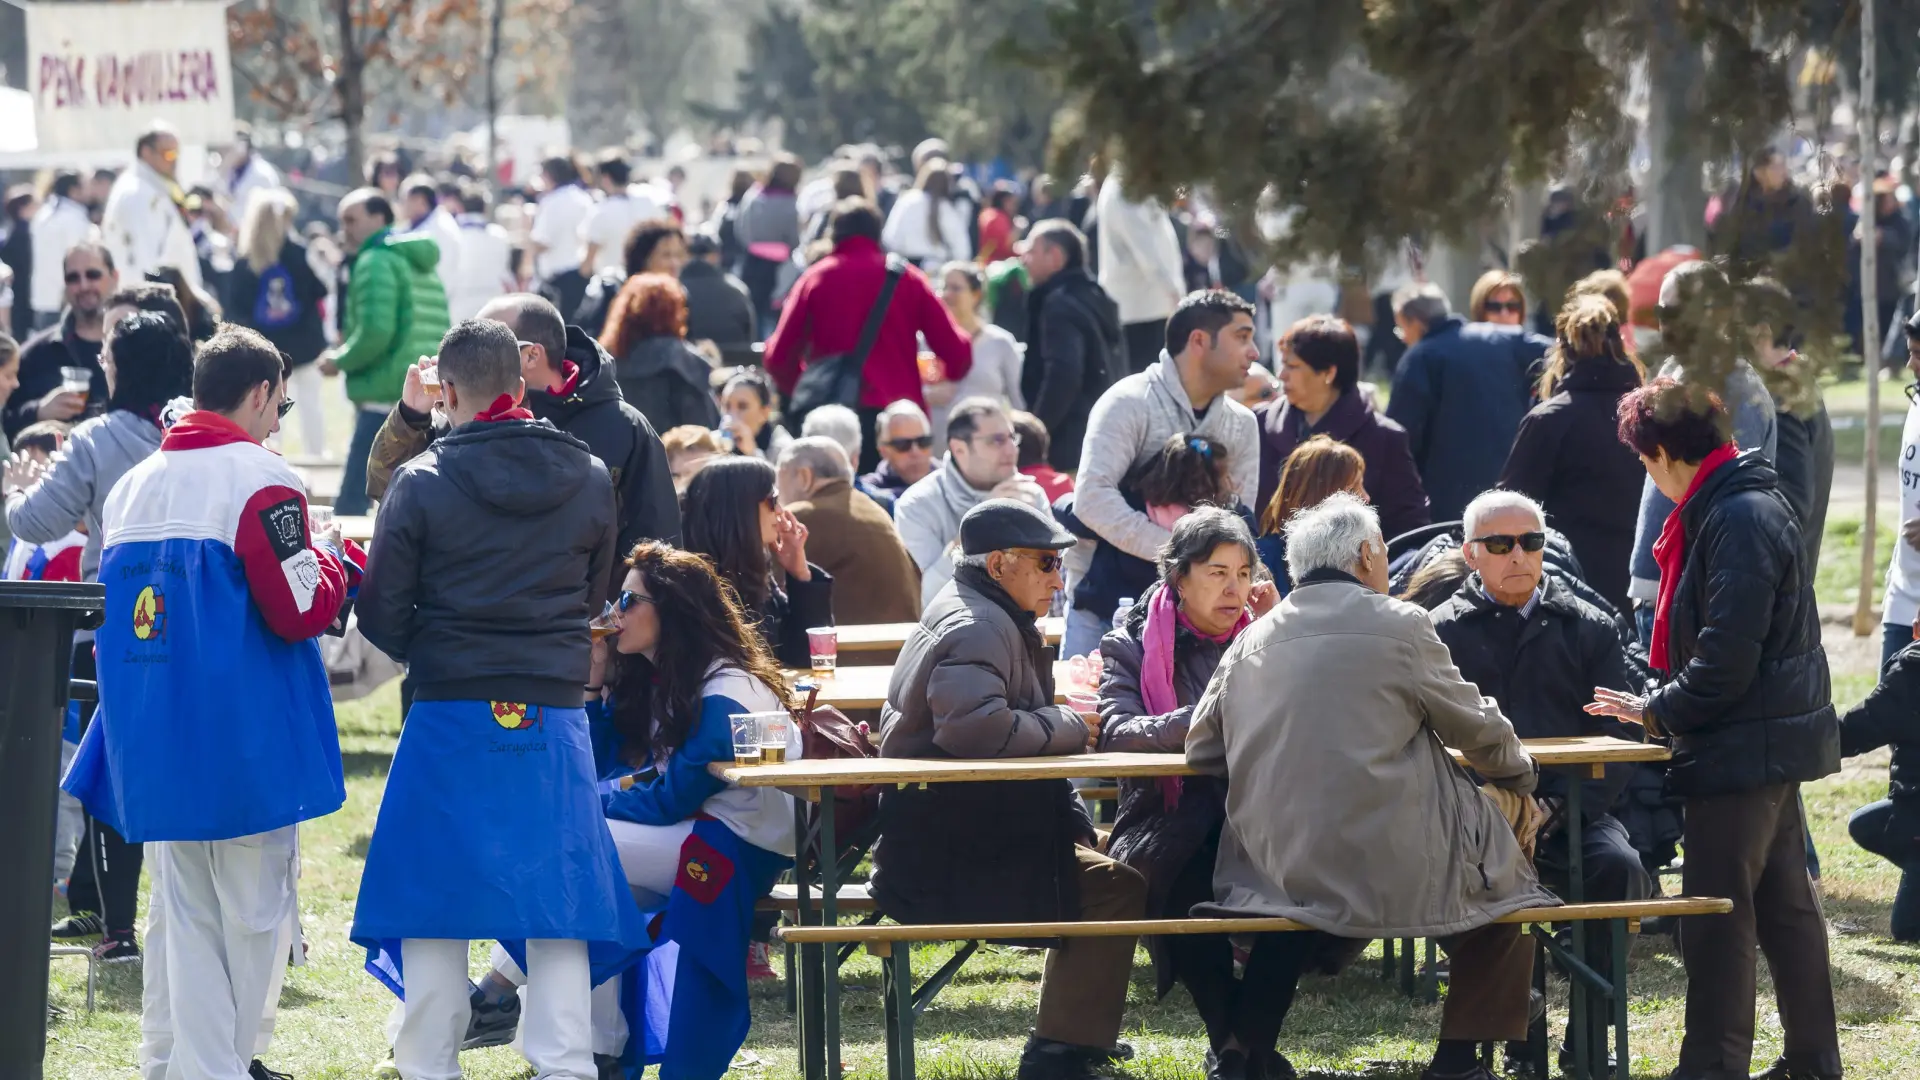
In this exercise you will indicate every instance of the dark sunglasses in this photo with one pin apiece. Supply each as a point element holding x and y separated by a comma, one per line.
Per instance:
<point>286,406</point>
<point>91,274</point>
<point>1047,563</point>
<point>773,502</point>
<point>628,599</point>
<point>901,446</point>
<point>1514,306</point>
<point>1502,543</point>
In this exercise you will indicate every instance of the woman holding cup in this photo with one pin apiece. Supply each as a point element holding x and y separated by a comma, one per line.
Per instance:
<point>661,708</point>
<point>733,517</point>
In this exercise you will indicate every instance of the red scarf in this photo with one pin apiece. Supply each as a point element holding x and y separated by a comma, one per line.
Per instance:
<point>570,371</point>
<point>503,408</point>
<point>1670,552</point>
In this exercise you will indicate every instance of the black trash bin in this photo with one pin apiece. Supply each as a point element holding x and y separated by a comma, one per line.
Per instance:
<point>37,622</point>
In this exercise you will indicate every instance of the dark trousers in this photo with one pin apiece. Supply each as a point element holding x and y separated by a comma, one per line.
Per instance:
<point>353,479</point>
<point>1610,870</point>
<point>1492,973</point>
<point>1083,990</point>
<point>870,441</point>
<point>1893,833</point>
<point>1751,848</point>
<point>106,872</point>
<point>1144,340</point>
<point>1203,963</point>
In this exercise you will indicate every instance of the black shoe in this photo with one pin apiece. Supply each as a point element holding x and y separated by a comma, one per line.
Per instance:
<point>609,1066</point>
<point>1275,1066</point>
<point>86,924</point>
<point>1046,1059</point>
<point>1785,1070</point>
<point>1565,1060</point>
<point>1516,1062</point>
<point>492,1023</point>
<point>118,948</point>
<point>259,1071</point>
<point>1228,1065</point>
<point>1478,1072</point>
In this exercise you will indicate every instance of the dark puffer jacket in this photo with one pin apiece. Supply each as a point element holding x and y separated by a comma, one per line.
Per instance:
<point>450,590</point>
<point>1748,700</point>
<point>1891,714</point>
<point>667,381</point>
<point>1073,337</point>
<point>1147,836</point>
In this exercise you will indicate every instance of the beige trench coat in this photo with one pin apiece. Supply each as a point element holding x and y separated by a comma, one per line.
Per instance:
<point>1344,810</point>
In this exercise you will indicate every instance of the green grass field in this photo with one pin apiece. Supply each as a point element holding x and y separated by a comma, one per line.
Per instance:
<point>332,1015</point>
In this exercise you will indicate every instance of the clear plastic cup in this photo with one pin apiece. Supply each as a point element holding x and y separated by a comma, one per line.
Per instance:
<point>605,624</point>
<point>319,518</point>
<point>746,738</point>
<point>430,378</point>
<point>76,380</point>
<point>775,730</point>
<point>823,644</point>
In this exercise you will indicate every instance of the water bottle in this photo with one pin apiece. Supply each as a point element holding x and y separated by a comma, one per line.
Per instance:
<point>1120,611</point>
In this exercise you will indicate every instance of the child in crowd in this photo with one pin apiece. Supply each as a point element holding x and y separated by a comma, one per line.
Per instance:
<point>58,561</point>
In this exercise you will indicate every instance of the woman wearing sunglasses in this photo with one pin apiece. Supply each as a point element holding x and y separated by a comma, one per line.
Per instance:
<point>1157,664</point>
<point>1498,298</point>
<point>1746,697</point>
<point>658,708</point>
<point>732,516</point>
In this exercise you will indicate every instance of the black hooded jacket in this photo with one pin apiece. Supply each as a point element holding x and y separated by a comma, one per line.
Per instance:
<point>667,381</point>
<point>481,573</point>
<point>1072,343</point>
<point>1749,701</point>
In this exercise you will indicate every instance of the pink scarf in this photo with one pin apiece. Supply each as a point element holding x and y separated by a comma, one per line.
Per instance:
<point>1156,665</point>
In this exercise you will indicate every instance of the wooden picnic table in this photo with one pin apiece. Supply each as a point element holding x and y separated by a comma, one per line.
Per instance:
<point>889,637</point>
<point>818,993</point>
<point>866,687</point>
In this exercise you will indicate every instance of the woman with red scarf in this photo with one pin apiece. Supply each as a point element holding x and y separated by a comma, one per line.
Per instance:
<point>1744,695</point>
<point>1156,666</point>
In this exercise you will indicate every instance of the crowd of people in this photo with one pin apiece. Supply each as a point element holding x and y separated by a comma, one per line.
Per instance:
<point>969,412</point>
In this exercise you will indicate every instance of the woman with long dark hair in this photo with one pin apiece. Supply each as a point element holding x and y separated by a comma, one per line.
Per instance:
<point>665,718</point>
<point>733,517</point>
<point>147,362</point>
<point>926,224</point>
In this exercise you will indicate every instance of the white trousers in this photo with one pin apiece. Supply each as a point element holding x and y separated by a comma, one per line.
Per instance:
<point>69,825</point>
<point>215,952</point>
<point>650,858</point>
<point>555,1026</point>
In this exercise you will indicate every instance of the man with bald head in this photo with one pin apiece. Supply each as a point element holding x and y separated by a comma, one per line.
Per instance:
<point>570,382</point>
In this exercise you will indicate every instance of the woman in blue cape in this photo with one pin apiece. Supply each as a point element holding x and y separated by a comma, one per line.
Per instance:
<point>697,851</point>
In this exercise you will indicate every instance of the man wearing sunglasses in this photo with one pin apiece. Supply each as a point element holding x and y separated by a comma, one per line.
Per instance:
<point>143,223</point>
<point>74,342</point>
<point>1522,636</point>
<point>215,735</point>
<point>904,438</point>
<point>975,680</point>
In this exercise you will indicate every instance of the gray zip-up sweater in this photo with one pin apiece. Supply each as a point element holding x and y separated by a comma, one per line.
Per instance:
<point>1755,427</point>
<point>97,454</point>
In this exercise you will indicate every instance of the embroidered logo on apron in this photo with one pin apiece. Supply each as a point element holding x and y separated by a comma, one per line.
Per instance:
<point>515,716</point>
<point>149,614</point>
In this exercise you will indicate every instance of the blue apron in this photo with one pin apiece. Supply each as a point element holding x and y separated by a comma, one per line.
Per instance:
<point>491,828</point>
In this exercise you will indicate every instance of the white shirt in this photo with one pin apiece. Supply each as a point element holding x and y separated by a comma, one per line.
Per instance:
<point>258,174</point>
<point>486,267</point>
<point>143,228</point>
<point>1140,262</point>
<point>56,227</point>
<point>445,232</point>
<point>909,231</point>
<point>1902,599</point>
<point>607,225</point>
<point>556,227</point>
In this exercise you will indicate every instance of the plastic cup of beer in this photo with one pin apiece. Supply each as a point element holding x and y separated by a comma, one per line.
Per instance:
<point>319,518</point>
<point>1083,703</point>
<point>430,377</point>
<point>823,644</point>
<point>932,368</point>
<point>76,380</point>
<point>746,738</point>
<point>775,728</point>
<point>605,624</point>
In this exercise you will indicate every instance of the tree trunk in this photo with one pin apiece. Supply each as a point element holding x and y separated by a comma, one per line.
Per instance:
<point>1864,618</point>
<point>1675,200</point>
<point>350,85</point>
<point>599,78</point>
<point>493,98</point>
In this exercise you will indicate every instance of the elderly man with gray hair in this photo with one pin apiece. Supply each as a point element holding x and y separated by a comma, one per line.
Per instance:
<point>1523,637</point>
<point>848,536</point>
<point>842,425</point>
<point>1345,811</point>
<point>904,438</point>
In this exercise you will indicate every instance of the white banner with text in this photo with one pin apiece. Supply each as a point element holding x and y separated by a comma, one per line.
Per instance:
<point>101,73</point>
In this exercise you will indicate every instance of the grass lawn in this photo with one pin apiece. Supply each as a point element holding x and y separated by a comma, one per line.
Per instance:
<point>332,1015</point>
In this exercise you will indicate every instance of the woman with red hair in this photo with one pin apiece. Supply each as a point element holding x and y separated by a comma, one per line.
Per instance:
<point>659,372</point>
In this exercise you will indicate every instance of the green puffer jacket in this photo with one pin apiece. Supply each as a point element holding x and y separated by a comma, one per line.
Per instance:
<point>396,313</point>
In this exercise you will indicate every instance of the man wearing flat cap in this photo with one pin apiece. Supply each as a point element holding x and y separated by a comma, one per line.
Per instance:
<point>975,680</point>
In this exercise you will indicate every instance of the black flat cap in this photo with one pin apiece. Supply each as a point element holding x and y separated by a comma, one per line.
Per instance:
<point>1000,524</point>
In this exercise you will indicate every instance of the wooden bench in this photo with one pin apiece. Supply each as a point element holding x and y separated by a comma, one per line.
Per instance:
<point>893,945</point>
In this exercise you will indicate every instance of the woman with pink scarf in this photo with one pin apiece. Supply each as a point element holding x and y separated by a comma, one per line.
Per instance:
<point>1157,664</point>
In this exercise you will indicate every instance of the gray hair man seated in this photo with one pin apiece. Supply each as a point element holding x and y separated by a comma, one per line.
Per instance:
<point>1332,715</point>
<point>842,425</point>
<point>848,535</point>
<point>975,680</point>
<point>1537,650</point>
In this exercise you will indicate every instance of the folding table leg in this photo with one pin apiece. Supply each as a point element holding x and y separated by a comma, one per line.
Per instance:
<point>1407,967</point>
<point>1430,981</point>
<point>1386,959</point>
<point>1621,1057</point>
<point>1538,1030</point>
<point>896,979</point>
<point>829,956</point>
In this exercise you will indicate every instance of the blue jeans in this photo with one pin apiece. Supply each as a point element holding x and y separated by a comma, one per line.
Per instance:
<point>1893,833</point>
<point>1083,632</point>
<point>1893,638</point>
<point>353,499</point>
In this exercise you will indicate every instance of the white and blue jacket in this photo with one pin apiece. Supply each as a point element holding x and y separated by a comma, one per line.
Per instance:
<point>215,717</point>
